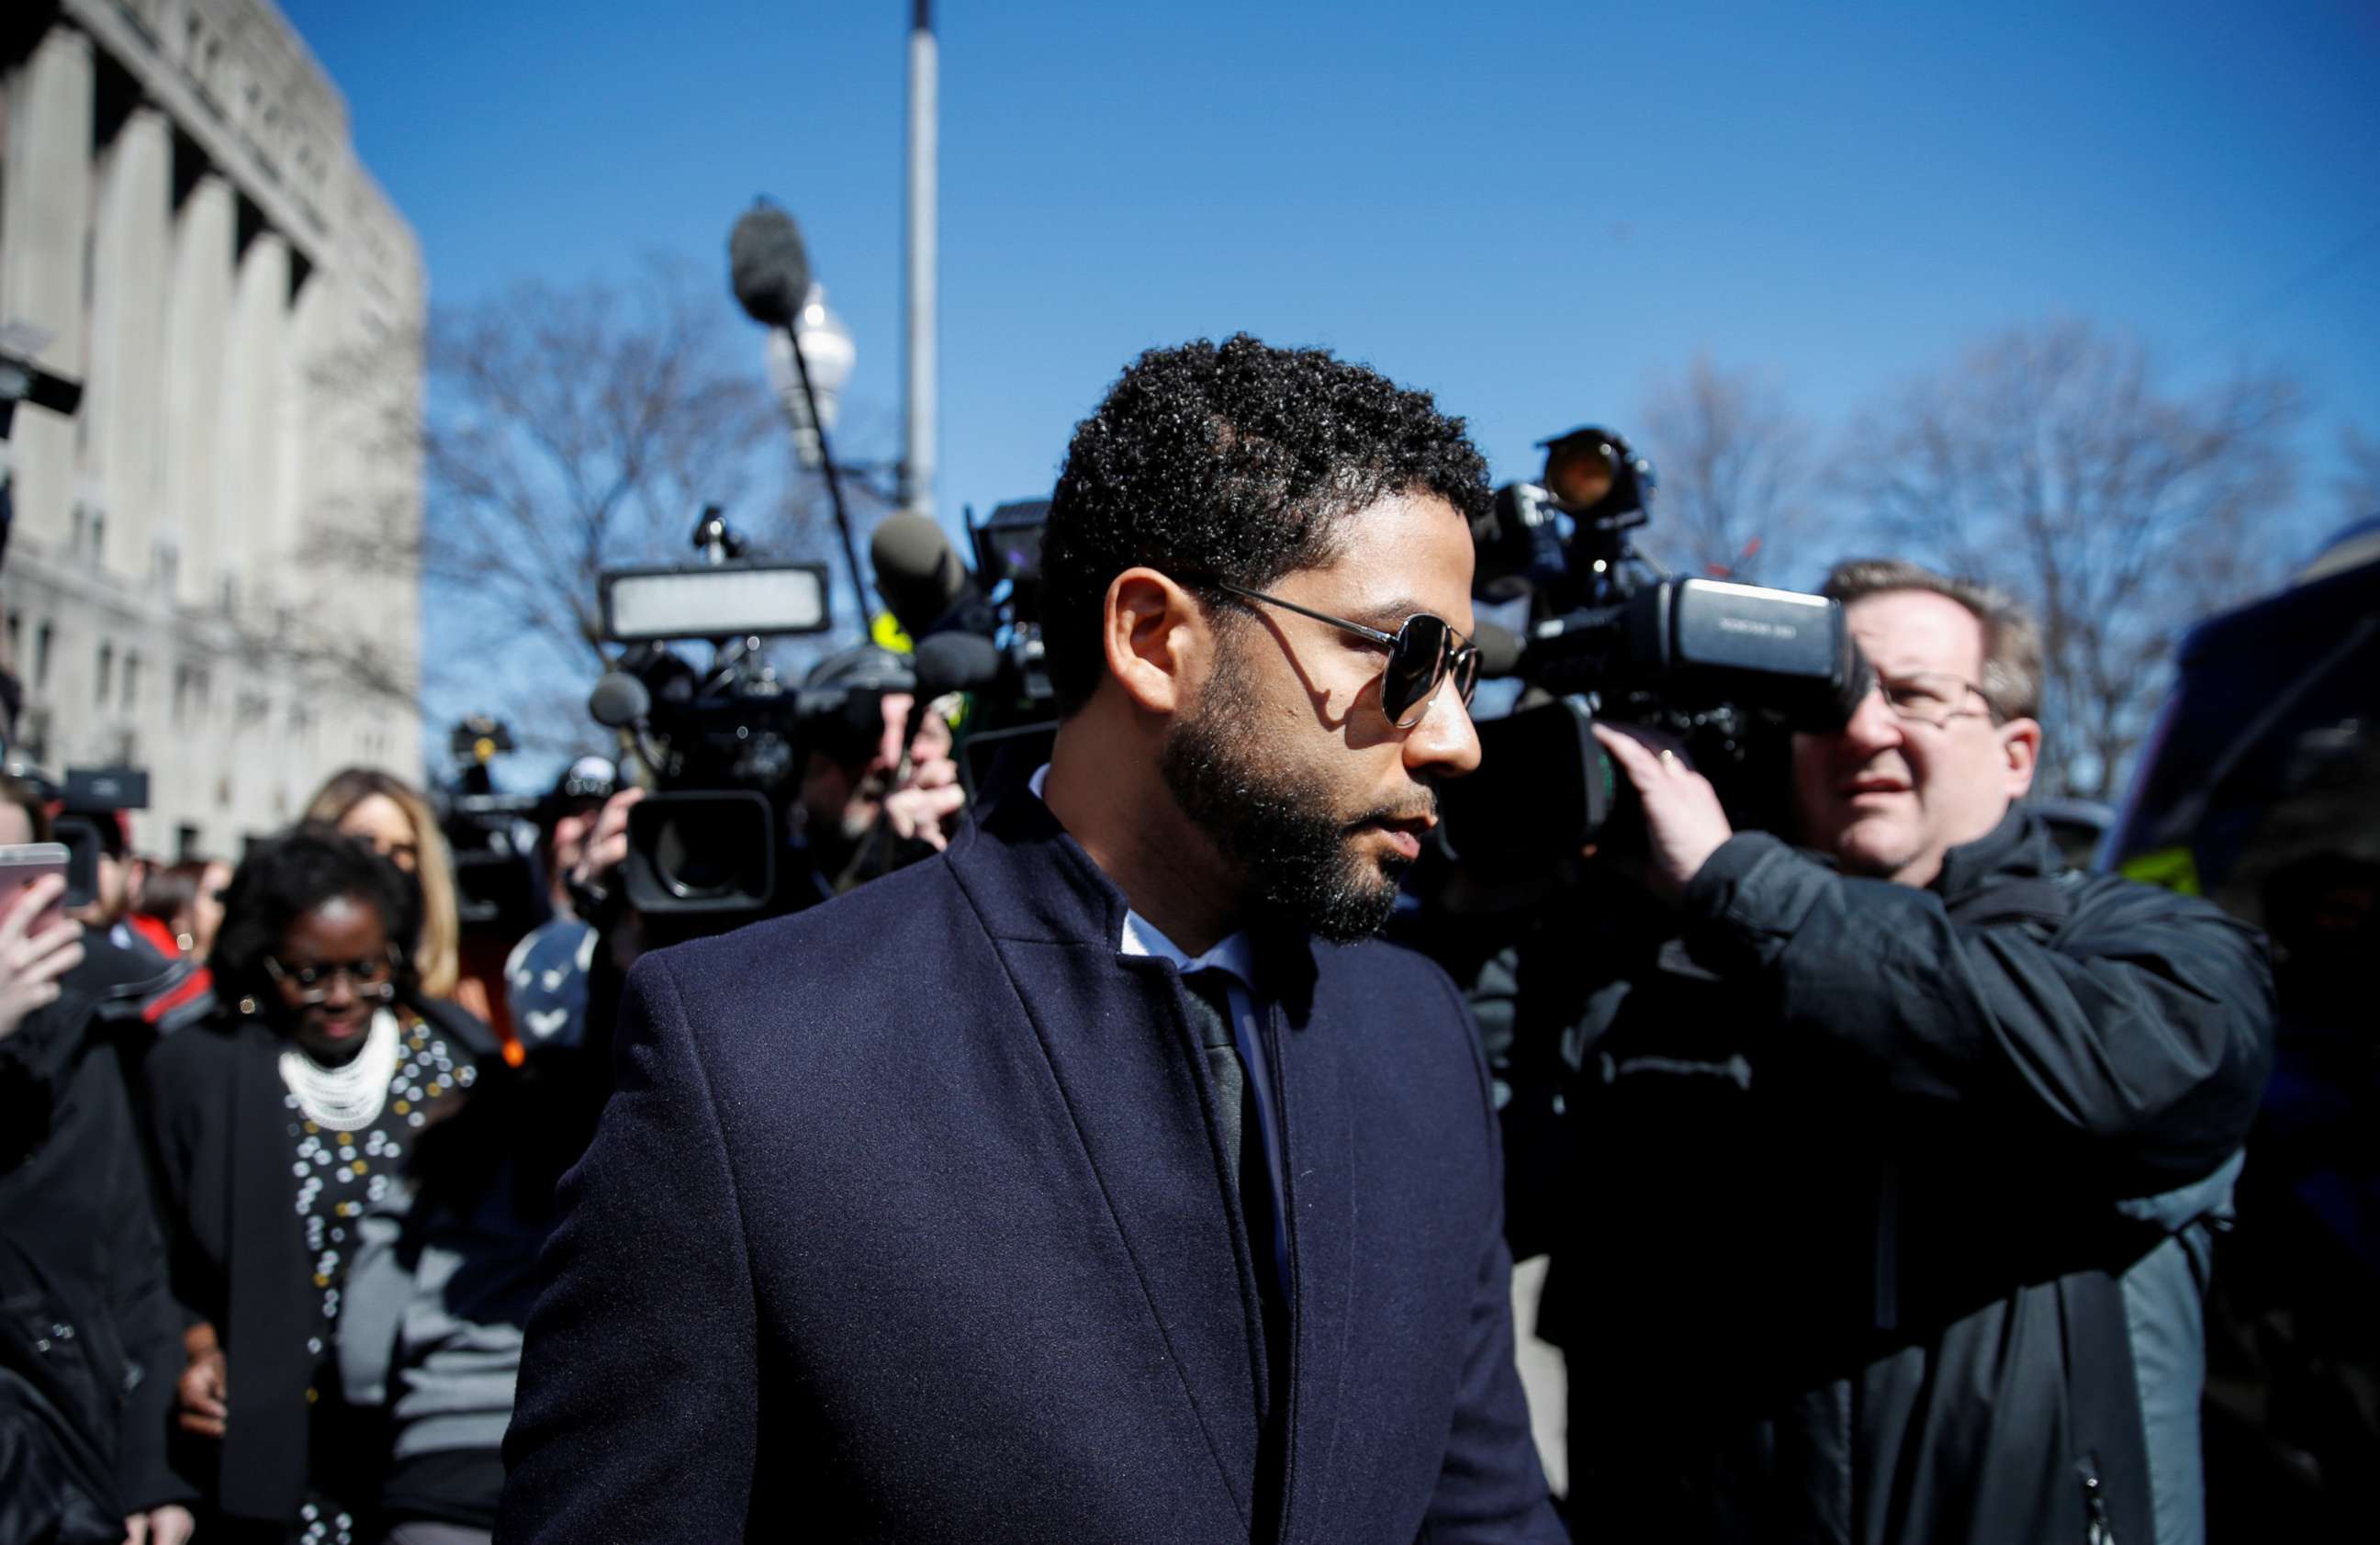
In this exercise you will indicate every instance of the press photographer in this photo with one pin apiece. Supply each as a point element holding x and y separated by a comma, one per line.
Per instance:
<point>1893,1157</point>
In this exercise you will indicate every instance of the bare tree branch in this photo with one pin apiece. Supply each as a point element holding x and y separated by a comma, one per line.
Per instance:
<point>2052,461</point>
<point>566,431</point>
<point>1734,464</point>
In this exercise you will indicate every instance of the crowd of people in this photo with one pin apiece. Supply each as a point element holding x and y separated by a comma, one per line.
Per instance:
<point>1080,1165</point>
<point>282,1141</point>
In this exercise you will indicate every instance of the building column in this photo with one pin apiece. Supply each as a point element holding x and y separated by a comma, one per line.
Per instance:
<point>48,192</point>
<point>248,508</point>
<point>126,395</point>
<point>303,442</point>
<point>197,313</point>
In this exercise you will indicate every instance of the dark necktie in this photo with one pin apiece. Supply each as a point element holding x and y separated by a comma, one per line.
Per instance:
<point>1207,995</point>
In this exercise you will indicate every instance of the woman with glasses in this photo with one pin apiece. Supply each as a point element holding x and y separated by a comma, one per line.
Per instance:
<point>277,1126</point>
<point>396,820</point>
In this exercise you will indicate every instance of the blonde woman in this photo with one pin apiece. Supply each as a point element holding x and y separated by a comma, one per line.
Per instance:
<point>395,817</point>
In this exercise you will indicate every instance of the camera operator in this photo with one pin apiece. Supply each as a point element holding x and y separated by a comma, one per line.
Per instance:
<point>870,804</point>
<point>1896,1157</point>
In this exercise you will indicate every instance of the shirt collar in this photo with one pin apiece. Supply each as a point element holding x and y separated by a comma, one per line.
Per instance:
<point>1142,937</point>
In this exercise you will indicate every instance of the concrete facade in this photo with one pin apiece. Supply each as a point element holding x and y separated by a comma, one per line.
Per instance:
<point>182,211</point>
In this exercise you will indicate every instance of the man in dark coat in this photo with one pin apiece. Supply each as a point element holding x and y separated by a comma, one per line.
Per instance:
<point>1899,1155</point>
<point>1095,1179</point>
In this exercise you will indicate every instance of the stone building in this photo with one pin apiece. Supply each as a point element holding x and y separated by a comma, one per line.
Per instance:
<point>182,211</point>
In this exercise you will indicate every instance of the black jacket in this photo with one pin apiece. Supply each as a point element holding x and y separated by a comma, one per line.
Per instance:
<point>911,1221</point>
<point>220,1132</point>
<point>1855,1185</point>
<point>90,1342</point>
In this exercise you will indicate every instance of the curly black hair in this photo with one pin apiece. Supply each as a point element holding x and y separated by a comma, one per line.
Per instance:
<point>1236,461</point>
<point>289,876</point>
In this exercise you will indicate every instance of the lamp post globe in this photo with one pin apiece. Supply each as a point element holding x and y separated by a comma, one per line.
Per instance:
<point>828,349</point>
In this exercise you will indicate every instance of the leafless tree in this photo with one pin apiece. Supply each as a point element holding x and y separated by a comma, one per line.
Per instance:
<point>566,431</point>
<point>1735,467</point>
<point>2053,461</point>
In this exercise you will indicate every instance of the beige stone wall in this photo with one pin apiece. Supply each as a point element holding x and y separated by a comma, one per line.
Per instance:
<point>182,211</point>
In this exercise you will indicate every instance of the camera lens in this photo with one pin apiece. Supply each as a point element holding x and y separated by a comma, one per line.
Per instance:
<point>712,850</point>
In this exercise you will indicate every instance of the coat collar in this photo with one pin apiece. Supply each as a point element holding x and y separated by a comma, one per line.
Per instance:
<point>2019,848</point>
<point>1031,882</point>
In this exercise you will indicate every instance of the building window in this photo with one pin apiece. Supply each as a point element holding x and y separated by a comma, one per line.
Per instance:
<point>107,681</point>
<point>132,681</point>
<point>43,637</point>
<point>180,711</point>
<point>15,637</point>
<point>33,735</point>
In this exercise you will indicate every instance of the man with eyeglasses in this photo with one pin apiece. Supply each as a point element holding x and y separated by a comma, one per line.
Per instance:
<point>1899,1153</point>
<point>1099,1179</point>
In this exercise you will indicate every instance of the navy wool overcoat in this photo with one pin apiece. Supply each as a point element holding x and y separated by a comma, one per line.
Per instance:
<point>910,1221</point>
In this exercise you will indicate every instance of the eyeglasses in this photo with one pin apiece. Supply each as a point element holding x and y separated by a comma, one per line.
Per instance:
<point>1422,654</point>
<point>369,978</point>
<point>1932,698</point>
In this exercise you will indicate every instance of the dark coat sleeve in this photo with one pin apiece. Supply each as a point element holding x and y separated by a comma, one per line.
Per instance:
<point>150,1324</point>
<point>2140,1030</point>
<point>1490,1487</point>
<point>639,1399</point>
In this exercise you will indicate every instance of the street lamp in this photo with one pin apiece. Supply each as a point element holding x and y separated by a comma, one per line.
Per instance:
<point>827,347</point>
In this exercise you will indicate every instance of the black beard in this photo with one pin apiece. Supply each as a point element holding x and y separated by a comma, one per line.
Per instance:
<point>1277,828</point>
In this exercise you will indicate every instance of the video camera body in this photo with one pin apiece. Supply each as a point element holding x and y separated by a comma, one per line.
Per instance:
<point>1727,669</point>
<point>89,823</point>
<point>498,892</point>
<point>977,632</point>
<point>726,740</point>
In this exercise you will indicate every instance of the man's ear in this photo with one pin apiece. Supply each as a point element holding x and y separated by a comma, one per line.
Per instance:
<point>2020,745</point>
<point>1155,637</point>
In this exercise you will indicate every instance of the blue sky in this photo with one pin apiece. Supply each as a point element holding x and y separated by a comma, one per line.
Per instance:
<point>1530,209</point>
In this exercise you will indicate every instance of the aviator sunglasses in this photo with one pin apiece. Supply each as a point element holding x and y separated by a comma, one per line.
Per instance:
<point>1422,654</point>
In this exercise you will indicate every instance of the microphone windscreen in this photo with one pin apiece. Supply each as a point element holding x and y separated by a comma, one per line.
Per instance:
<point>955,662</point>
<point>1499,650</point>
<point>918,572</point>
<point>767,266</point>
<point>618,700</point>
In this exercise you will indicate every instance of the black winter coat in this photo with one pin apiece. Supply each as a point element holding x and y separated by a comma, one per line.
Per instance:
<point>220,1131</point>
<point>91,1342</point>
<point>1848,1198</point>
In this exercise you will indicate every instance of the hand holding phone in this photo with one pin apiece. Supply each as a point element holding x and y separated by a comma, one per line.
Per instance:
<point>38,943</point>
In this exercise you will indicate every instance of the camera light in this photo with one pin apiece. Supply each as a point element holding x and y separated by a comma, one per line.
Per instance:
<point>717,601</point>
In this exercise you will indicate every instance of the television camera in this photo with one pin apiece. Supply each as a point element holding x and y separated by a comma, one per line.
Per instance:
<point>89,823</point>
<point>723,737</point>
<point>498,892</point>
<point>1727,669</point>
<point>976,631</point>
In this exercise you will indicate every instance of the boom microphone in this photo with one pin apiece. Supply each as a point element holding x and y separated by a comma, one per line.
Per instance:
<point>768,265</point>
<point>947,662</point>
<point>954,661</point>
<point>918,572</point>
<point>618,700</point>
